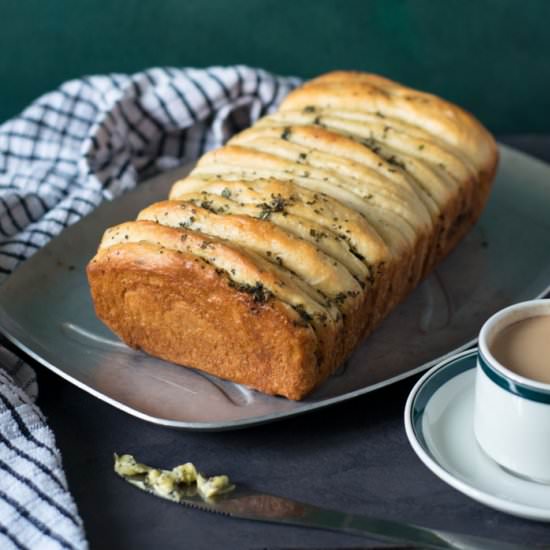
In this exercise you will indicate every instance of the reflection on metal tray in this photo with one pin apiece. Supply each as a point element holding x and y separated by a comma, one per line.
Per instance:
<point>45,309</point>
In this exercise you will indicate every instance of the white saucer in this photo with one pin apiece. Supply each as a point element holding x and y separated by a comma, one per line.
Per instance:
<point>439,425</point>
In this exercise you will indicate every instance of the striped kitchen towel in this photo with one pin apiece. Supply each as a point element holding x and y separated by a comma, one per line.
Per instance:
<point>88,141</point>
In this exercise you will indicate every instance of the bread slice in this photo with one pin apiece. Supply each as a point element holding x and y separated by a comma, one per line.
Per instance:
<point>283,249</point>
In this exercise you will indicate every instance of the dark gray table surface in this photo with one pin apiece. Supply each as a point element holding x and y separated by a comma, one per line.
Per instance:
<point>353,456</point>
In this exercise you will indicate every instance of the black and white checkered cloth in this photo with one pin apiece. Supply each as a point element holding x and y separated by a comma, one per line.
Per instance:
<point>88,141</point>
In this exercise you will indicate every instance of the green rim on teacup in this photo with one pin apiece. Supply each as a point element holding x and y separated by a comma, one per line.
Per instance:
<point>503,377</point>
<point>540,395</point>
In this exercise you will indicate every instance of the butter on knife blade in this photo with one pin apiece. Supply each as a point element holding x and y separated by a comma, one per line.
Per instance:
<point>180,482</point>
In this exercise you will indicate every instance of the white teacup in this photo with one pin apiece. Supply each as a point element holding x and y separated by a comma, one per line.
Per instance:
<point>512,413</point>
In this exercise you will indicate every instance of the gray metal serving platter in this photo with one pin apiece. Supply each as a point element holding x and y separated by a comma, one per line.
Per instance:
<point>45,310</point>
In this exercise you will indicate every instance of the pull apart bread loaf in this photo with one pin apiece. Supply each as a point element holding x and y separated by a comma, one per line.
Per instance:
<point>283,249</point>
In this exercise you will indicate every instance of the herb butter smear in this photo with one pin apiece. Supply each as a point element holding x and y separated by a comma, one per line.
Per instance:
<point>181,482</point>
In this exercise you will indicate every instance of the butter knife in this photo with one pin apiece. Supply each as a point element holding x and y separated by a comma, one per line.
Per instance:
<point>245,504</point>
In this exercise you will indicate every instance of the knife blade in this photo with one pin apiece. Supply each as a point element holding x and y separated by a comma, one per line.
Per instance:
<point>243,503</point>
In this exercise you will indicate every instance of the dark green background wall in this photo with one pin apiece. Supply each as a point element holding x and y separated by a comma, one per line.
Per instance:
<point>491,56</point>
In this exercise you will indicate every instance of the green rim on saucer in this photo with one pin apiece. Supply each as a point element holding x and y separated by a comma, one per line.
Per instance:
<point>464,362</point>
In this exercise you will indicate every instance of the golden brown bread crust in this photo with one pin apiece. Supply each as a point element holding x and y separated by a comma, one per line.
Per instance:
<point>284,248</point>
<point>150,297</point>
